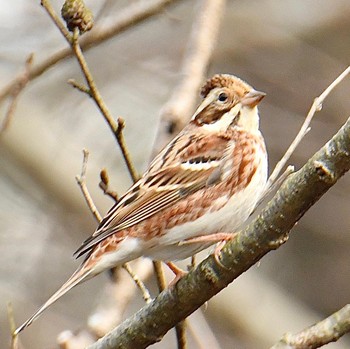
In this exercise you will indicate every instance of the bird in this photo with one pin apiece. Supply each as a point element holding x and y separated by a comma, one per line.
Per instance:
<point>200,188</point>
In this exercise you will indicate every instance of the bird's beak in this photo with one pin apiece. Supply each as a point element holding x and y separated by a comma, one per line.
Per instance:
<point>252,98</point>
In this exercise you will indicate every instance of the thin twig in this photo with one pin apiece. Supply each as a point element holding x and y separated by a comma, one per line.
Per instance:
<point>15,343</point>
<point>22,82</point>
<point>158,270</point>
<point>145,293</point>
<point>116,297</point>
<point>81,180</point>
<point>79,87</point>
<point>11,318</point>
<point>125,152</point>
<point>126,18</point>
<point>323,332</point>
<point>104,185</point>
<point>316,106</point>
<point>95,94</point>
<point>118,134</point>
<point>93,91</point>
<point>160,277</point>
<point>51,12</point>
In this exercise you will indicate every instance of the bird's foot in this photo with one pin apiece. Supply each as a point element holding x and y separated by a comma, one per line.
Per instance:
<point>179,273</point>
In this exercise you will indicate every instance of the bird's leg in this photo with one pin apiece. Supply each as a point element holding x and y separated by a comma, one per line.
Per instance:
<point>217,237</point>
<point>179,273</point>
<point>221,238</point>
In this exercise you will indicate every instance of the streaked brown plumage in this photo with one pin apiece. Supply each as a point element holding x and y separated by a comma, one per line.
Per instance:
<point>206,181</point>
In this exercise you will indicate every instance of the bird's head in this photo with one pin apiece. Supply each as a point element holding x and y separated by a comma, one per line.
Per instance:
<point>228,101</point>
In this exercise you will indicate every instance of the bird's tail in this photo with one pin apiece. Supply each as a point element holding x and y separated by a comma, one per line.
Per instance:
<point>78,277</point>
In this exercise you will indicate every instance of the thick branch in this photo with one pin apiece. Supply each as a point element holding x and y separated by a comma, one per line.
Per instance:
<point>267,232</point>
<point>324,332</point>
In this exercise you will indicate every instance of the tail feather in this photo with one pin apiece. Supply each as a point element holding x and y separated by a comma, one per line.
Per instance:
<point>78,277</point>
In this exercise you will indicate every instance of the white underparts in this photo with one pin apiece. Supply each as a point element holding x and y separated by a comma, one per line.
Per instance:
<point>130,248</point>
<point>231,215</point>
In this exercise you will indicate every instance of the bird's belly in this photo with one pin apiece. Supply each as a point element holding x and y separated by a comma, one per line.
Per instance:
<point>175,252</point>
<point>231,216</point>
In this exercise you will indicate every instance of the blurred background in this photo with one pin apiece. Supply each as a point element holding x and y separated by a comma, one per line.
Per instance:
<point>292,50</point>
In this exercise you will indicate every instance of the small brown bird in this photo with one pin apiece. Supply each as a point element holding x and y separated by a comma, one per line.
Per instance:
<point>197,191</point>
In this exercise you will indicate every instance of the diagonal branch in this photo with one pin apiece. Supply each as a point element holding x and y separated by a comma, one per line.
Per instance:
<point>266,233</point>
<point>81,181</point>
<point>23,79</point>
<point>305,127</point>
<point>93,92</point>
<point>324,332</point>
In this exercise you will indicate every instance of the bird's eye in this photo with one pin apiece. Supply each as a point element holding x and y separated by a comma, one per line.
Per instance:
<point>222,97</point>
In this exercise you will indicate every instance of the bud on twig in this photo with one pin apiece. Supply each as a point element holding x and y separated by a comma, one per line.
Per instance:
<point>77,15</point>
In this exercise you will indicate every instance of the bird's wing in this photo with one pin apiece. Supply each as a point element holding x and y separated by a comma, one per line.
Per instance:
<point>182,168</point>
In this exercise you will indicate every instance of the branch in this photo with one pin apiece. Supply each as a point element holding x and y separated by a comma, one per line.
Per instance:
<point>117,294</point>
<point>266,233</point>
<point>145,293</point>
<point>324,332</point>
<point>127,18</point>
<point>81,181</point>
<point>15,342</point>
<point>23,79</point>
<point>104,185</point>
<point>316,106</point>
<point>125,152</point>
<point>92,91</point>
<point>180,330</point>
